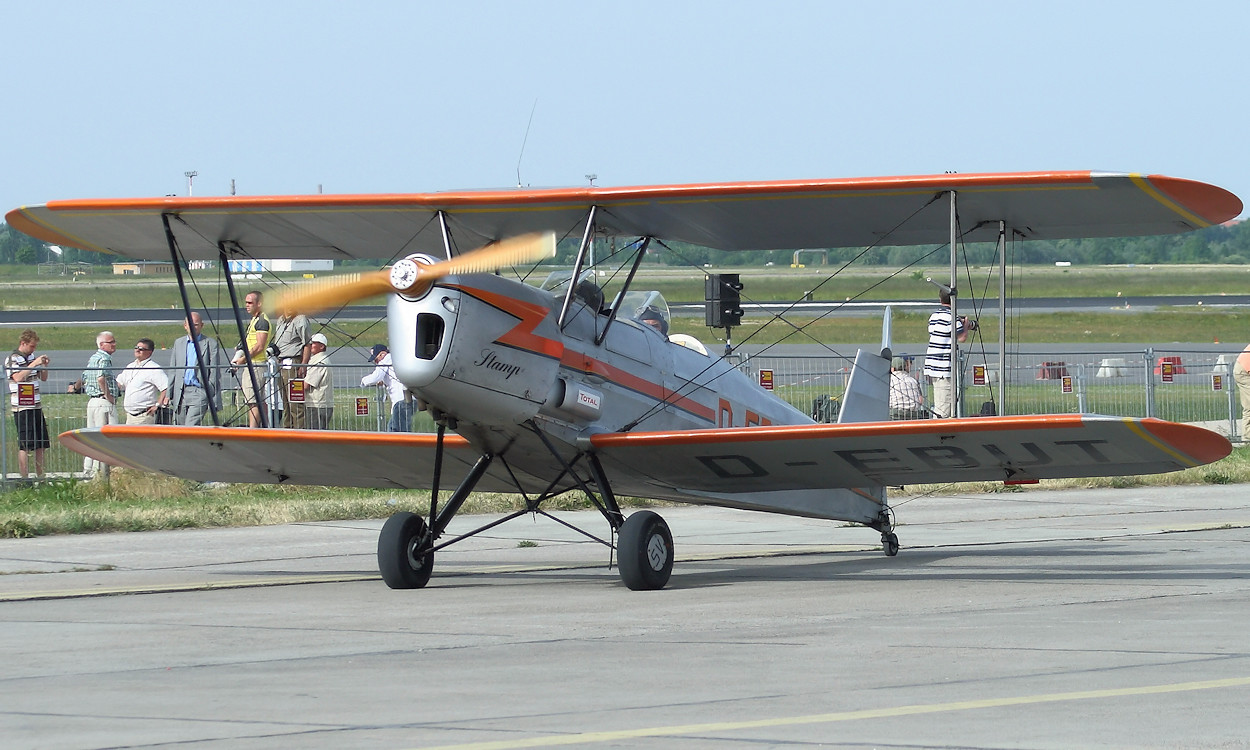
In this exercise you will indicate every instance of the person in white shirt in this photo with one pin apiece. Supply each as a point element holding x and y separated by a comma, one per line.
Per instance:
<point>319,386</point>
<point>937,364</point>
<point>384,376</point>
<point>906,395</point>
<point>146,385</point>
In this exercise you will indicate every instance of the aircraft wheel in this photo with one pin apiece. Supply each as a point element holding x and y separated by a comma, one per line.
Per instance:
<point>404,556</point>
<point>645,549</point>
<point>889,544</point>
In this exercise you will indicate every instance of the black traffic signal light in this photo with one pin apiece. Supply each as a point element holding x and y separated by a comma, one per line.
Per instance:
<point>723,308</point>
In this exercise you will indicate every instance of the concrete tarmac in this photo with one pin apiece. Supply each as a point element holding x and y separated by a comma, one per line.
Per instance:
<point>1086,618</point>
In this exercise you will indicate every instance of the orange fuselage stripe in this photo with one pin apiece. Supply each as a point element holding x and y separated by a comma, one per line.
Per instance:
<point>522,337</point>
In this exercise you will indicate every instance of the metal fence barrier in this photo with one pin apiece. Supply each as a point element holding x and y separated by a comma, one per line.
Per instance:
<point>1180,385</point>
<point>356,407</point>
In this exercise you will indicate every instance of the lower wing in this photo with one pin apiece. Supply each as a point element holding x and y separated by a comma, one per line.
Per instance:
<point>316,457</point>
<point>801,457</point>
<point>741,467</point>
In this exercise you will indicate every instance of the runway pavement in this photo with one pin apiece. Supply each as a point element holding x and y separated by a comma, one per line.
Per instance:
<point>1092,618</point>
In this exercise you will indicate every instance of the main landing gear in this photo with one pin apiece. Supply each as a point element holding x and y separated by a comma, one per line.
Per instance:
<point>885,524</point>
<point>405,552</point>
<point>645,551</point>
<point>644,544</point>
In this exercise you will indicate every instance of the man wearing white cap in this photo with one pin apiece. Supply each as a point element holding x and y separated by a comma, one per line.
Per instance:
<point>318,385</point>
<point>383,376</point>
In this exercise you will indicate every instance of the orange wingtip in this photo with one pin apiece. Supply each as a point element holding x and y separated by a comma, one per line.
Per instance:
<point>1214,204</point>
<point>1199,443</point>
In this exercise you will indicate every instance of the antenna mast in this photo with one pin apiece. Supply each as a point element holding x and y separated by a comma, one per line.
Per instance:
<point>523,142</point>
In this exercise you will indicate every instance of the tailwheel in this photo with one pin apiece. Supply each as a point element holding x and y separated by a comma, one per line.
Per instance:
<point>645,549</point>
<point>889,543</point>
<point>404,555</point>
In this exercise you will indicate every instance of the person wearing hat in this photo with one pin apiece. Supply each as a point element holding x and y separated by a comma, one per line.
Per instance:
<point>318,385</point>
<point>294,349</point>
<point>383,376</point>
<point>906,395</point>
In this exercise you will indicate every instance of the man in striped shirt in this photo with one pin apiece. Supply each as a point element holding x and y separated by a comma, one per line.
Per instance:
<point>937,361</point>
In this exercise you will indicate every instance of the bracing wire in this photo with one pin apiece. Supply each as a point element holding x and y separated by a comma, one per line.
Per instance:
<point>691,382</point>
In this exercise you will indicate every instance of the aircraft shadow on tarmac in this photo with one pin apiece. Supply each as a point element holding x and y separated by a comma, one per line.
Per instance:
<point>1090,562</point>
<point>1112,560</point>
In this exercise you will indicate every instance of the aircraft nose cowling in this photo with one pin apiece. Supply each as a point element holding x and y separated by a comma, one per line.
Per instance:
<point>420,333</point>
<point>474,352</point>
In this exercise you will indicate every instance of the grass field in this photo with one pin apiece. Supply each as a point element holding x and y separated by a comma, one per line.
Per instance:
<point>1182,325</point>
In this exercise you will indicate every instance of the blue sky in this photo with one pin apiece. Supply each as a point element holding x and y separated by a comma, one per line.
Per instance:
<point>120,99</point>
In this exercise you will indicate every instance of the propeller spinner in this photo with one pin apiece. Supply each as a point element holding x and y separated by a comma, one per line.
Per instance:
<point>414,278</point>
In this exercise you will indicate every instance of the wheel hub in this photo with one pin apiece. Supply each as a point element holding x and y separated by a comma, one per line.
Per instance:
<point>657,552</point>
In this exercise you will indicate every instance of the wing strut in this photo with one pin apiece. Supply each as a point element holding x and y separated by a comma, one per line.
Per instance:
<point>446,232</point>
<point>587,238</point>
<point>957,398</point>
<point>1002,319</point>
<point>200,364</point>
<point>629,280</point>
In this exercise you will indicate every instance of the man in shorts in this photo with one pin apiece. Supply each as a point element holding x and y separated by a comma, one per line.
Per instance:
<point>24,372</point>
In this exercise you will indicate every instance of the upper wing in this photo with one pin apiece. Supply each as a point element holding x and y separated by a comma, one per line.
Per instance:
<point>807,457</point>
<point>727,216</point>
<point>316,457</point>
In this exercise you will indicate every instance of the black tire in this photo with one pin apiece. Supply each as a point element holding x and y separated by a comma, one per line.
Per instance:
<point>889,544</point>
<point>645,549</point>
<point>404,556</point>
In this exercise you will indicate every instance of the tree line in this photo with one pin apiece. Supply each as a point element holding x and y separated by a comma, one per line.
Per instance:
<point>1217,244</point>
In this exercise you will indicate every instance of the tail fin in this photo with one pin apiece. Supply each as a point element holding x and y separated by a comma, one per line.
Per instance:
<point>867,397</point>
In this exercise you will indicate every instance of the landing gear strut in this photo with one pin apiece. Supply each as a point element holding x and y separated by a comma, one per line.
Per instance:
<point>885,524</point>
<point>644,543</point>
<point>889,543</point>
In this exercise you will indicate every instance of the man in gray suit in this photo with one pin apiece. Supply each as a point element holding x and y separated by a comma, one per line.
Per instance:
<point>187,395</point>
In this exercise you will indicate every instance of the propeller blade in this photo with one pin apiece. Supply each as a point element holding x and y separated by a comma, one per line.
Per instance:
<point>336,291</point>
<point>526,248</point>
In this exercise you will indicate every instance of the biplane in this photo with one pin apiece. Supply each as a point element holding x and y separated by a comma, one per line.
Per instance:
<point>541,390</point>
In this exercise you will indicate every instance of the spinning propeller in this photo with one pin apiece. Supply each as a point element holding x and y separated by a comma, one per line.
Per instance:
<point>414,278</point>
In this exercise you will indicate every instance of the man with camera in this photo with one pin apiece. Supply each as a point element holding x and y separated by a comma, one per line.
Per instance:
<point>937,362</point>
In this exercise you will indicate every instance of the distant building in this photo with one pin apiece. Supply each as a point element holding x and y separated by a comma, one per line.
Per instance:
<point>144,268</point>
<point>279,265</point>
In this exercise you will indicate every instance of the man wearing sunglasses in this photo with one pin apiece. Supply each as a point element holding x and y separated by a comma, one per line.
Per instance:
<point>146,385</point>
<point>100,385</point>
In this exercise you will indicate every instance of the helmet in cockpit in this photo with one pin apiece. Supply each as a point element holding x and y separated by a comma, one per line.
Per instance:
<point>655,318</point>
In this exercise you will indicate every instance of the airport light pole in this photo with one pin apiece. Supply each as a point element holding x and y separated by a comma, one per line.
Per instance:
<point>190,181</point>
